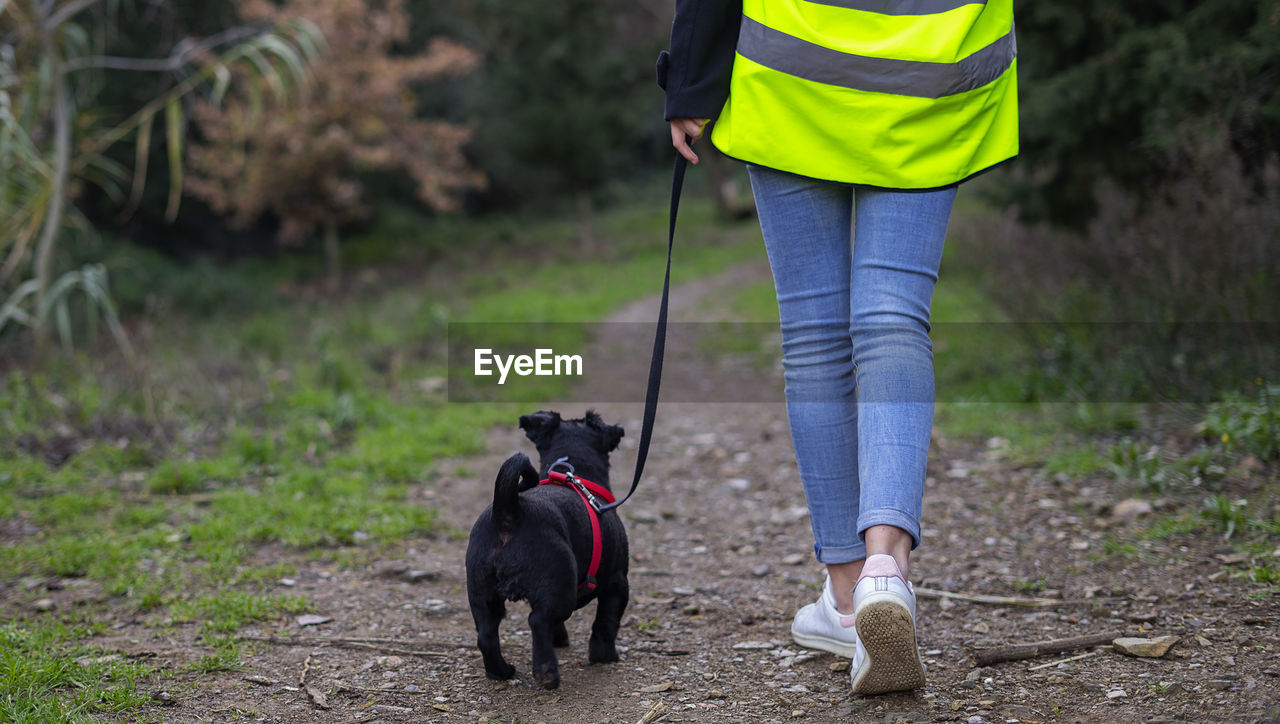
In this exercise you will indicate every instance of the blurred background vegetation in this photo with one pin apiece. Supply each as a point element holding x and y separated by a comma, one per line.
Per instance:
<point>133,134</point>
<point>232,236</point>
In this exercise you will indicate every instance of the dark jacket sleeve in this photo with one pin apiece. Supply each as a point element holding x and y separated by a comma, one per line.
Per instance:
<point>695,71</point>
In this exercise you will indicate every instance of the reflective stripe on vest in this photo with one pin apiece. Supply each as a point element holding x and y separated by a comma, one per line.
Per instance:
<point>910,94</point>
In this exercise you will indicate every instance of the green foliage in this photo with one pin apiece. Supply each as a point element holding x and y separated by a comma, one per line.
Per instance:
<point>565,90</point>
<point>1248,426</point>
<point>305,426</point>
<point>26,306</point>
<point>54,138</point>
<point>44,677</point>
<point>228,611</point>
<point>1130,464</point>
<point>1109,87</point>
<point>225,657</point>
<point>1267,573</point>
<point>1225,515</point>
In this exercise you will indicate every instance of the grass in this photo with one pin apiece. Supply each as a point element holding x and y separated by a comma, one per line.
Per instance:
<point>47,676</point>
<point>267,415</point>
<point>296,421</point>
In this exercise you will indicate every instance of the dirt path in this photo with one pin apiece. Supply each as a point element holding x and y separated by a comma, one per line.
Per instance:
<point>722,559</point>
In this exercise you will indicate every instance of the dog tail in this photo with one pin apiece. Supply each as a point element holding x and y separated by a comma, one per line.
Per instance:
<point>515,475</point>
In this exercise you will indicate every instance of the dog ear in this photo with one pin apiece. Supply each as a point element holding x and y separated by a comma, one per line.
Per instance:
<point>539,426</point>
<point>609,434</point>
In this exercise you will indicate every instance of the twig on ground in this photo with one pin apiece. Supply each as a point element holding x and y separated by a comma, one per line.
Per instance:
<point>923,592</point>
<point>1014,652</point>
<point>313,693</point>
<point>1077,657</point>
<point>372,644</point>
<point>656,712</point>
<point>344,686</point>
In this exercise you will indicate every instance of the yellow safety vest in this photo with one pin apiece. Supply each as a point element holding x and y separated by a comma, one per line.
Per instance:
<point>907,94</point>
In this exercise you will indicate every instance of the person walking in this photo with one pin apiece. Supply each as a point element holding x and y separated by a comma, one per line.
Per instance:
<point>857,120</point>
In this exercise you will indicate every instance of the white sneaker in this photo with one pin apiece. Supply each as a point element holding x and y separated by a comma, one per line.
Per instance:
<point>820,626</point>
<point>884,606</point>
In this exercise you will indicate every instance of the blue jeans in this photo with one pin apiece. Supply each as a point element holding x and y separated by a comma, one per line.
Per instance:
<point>857,357</point>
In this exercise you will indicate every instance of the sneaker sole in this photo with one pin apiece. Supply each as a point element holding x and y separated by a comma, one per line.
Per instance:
<point>888,634</point>
<point>835,646</point>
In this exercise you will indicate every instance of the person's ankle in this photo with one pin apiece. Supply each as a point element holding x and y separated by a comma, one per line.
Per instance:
<point>890,540</point>
<point>843,577</point>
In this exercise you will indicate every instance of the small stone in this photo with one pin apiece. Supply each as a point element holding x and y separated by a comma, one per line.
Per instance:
<point>739,484</point>
<point>683,591</point>
<point>794,559</point>
<point>840,666</point>
<point>1130,509</point>
<point>163,697</point>
<point>1145,648</point>
<point>389,662</point>
<point>762,570</point>
<point>1219,684</point>
<point>311,619</point>
<point>986,703</point>
<point>287,582</point>
<point>259,680</point>
<point>752,645</point>
<point>975,719</point>
<point>43,604</point>
<point>413,576</point>
<point>664,686</point>
<point>1143,617</point>
<point>1116,694</point>
<point>795,713</point>
<point>390,569</point>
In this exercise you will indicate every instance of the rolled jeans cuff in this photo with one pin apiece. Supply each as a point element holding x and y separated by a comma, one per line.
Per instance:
<point>830,556</point>
<point>889,516</point>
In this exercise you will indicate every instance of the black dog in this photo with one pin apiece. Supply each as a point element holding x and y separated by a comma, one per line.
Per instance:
<point>535,543</point>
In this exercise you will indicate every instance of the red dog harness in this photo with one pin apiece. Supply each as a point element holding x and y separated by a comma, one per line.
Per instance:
<point>592,494</point>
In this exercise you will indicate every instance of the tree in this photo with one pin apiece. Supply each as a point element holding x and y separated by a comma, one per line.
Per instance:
<point>301,161</point>
<point>54,139</point>
<point>1127,91</point>
<point>566,92</point>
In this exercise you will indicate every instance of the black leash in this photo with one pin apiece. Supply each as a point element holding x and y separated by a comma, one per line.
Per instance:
<point>659,339</point>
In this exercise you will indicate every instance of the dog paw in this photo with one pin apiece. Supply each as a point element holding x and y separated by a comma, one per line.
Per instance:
<point>501,673</point>
<point>547,677</point>
<point>602,653</point>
